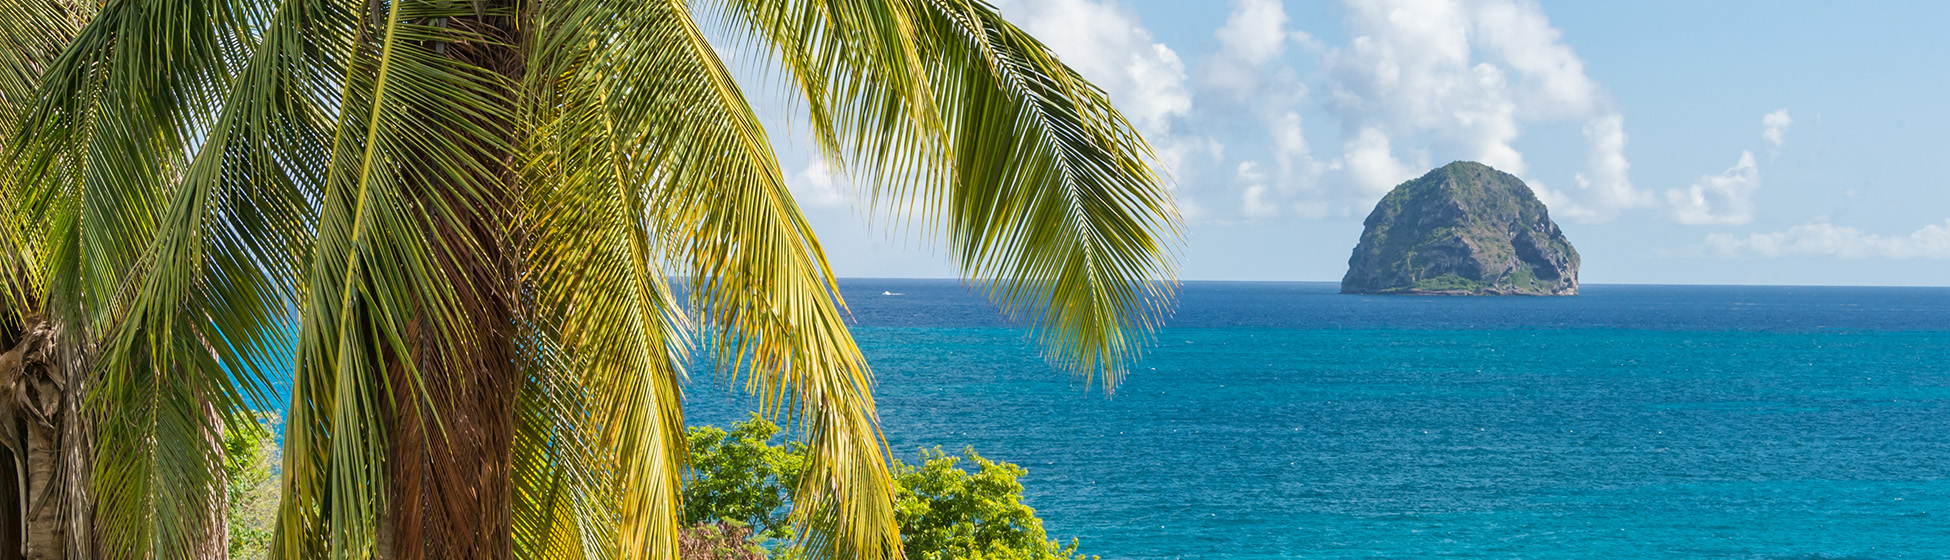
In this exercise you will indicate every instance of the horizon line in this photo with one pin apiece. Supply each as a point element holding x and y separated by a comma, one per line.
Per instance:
<point>1580,284</point>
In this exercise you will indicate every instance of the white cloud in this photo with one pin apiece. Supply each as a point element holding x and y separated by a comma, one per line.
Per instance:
<point>1256,30</point>
<point>1828,240</point>
<point>1419,82</point>
<point>1370,162</point>
<point>1252,201</point>
<point>1555,85</point>
<point>1297,167</point>
<point>1104,42</point>
<point>1463,77</point>
<point>1606,181</point>
<point>1605,186</point>
<point>1253,37</point>
<point>817,185</point>
<point>1773,126</point>
<point>1723,199</point>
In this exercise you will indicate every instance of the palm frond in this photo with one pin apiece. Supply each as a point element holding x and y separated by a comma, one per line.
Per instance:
<point>565,490</point>
<point>96,149</point>
<point>859,66</point>
<point>600,287</point>
<point>1046,195</point>
<point>32,35</point>
<point>669,117</point>
<point>383,312</point>
<point>209,314</point>
<point>1051,202</point>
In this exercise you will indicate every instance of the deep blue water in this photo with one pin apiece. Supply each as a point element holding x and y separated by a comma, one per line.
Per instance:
<point>1281,420</point>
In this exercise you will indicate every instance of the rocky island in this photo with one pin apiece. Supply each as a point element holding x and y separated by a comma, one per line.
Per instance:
<point>1462,229</point>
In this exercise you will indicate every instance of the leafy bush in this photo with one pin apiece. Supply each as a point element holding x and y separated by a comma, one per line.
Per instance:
<point>251,487</point>
<point>741,476</point>
<point>721,540</point>
<point>945,511</point>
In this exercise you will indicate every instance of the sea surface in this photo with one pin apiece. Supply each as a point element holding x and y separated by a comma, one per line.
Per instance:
<point>1283,420</point>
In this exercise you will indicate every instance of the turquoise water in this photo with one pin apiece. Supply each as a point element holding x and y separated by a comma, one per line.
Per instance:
<point>1286,421</point>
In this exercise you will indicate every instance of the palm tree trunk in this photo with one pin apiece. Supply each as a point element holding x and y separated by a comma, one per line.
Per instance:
<point>38,427</point>
<point>453,431</point>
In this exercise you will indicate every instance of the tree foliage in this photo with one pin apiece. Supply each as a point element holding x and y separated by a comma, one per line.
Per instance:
<point>251,489</point>
<point>950,513</point>
<point>721,540</point>
<point>741,475</point>
<point>946,511</point>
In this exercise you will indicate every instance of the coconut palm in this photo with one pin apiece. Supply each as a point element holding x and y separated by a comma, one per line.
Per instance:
<point>484,242</point>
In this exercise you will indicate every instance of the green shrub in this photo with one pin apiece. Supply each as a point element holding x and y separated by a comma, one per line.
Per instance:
<point>250,468</point>
<point>742,476</point>
<point>745,475</point>
<point>947,513</point>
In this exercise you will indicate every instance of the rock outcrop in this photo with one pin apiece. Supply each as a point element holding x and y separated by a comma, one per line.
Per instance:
<point>1462,229</point>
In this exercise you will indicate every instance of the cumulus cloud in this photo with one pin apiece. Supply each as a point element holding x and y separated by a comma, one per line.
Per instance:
<point>1604,188</point>
<point>1104,42</point>
<point>817,185</point>
<point>1418,82</point>
<point>1370,161</point>
<point>1298,168</point>
<point>1254,36</point>
<point>1253,201</point>
<point>1255,31</point>
<point>1724,199</point>
<point>1728,197</point>
<point>1293,189</point>
<point>1773,126</point>
<point>1554,83</point>
<point>1824,239</point>
<point>1463,77</point>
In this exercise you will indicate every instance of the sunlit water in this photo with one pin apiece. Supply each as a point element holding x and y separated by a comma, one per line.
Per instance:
<point>1286,421</point>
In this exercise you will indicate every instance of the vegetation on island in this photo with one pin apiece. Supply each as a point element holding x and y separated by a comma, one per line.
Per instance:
<point>1462,229</point>
<point>452,230</point>
<point>950,507</point>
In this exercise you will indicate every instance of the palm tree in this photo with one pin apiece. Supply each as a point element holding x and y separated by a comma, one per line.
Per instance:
<point>456,226</point>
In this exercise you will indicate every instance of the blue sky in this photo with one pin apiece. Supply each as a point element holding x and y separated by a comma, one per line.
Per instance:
<point>1675,142</point>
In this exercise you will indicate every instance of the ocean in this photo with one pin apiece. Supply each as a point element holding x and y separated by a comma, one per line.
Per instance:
<point>1283,420</point>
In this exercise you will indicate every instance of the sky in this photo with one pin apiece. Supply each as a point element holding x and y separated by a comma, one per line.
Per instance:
<point>1778,142</point>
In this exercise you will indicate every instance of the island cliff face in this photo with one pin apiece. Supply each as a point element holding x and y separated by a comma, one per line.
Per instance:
<point>1462,229</point>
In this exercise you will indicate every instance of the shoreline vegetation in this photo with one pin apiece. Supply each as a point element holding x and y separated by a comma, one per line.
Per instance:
<point>738,499</point>
<point>738,502</point>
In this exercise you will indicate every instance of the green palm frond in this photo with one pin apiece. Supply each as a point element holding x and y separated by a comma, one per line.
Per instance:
<point>405,166</point>
<point>99,146</point>
<point>565,491</point>
<point>765,291</point>
<point>1050,200</point>
<point>105,133</point>
<point>209,312</point>
<point>32,35</point>
<point>601,290</point>
<point>1046,195</point>
<point>678,155</point>
<point>859,66</point>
